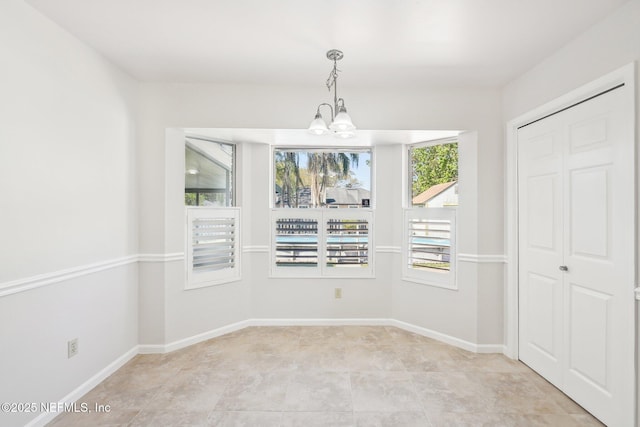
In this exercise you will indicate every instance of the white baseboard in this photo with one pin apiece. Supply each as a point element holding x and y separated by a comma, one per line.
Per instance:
<point>492,348</point>
<point>194,339</point>
<point>152,349</point>
<point>319,322</point>
<point>448,339</point>
<point>85,387</point>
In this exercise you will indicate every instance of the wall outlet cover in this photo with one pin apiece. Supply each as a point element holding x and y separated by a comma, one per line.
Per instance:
<point>72,348</point>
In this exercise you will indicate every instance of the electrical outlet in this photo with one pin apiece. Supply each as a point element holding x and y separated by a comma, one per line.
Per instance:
<point>338,293</point>
<point>72,348</point>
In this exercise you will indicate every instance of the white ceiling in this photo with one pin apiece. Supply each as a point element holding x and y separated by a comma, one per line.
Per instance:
<point>481,43</point>
<point>392,43</point>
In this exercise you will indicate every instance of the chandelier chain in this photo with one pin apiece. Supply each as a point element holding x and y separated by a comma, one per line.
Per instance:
<point>333,75</point>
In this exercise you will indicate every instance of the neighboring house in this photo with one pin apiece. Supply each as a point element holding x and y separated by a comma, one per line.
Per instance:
<point>438,196</point>
<point>335,197</point>
<point>345,197</point>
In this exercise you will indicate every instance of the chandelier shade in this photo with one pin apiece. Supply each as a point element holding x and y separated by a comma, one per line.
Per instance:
<point>342,122</point>
<point>318,126</point>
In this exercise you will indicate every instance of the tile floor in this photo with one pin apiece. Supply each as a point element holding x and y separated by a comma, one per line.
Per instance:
<point>326,376</point>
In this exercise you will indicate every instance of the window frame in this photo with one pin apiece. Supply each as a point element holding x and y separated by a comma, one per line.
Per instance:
<point>349,149</point>
<point>323,215</point>
<point>438,279</point>
<point>408,192</point>
<point>231,193</point>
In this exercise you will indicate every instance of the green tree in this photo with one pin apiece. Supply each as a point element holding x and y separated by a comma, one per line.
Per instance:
<point>433,165</point>
<point>288,177</point>
<point>190,199</point>
<point>322,166</point>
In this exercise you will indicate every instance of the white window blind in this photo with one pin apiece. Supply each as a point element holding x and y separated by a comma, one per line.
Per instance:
<point>296,242</point>
<point>213,238</point>
<point>430,244</point>
<point>347,242</point>
<point>429,254</point>
<point>321,243</point>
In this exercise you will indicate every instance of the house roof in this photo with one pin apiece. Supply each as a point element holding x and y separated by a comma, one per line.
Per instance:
<point>431,192</point>
<point>347,196</point>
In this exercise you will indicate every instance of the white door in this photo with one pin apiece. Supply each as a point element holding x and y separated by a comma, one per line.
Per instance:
<point>577,250</point>
<point>541,249</point>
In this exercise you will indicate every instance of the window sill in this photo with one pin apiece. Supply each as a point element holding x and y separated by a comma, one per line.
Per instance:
<point>431,283</point>
<point>318,276</point>
<point>211,283</point>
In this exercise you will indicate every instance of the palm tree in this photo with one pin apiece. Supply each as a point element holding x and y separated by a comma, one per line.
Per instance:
<point>288,169</point>
<point>321,165</point>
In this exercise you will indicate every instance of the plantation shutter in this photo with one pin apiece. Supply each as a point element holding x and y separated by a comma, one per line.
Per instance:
<point>430,246</point>
<point>347,242</point>
<point>296,242</point>
<point>322,243</point>
<point>212,246</point>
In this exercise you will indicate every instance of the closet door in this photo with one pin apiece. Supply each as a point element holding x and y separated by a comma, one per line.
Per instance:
<point>577,251</point>
<point>540,188</point>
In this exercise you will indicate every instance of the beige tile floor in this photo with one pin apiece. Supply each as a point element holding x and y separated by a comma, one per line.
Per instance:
<point>326,376</point>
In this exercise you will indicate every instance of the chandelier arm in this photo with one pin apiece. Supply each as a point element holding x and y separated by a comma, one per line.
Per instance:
<point>330,107</point>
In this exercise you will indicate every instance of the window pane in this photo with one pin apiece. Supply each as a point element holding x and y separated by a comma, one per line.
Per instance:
<point>429,244</point>
<point>296,242</point>
<point>434,175</point>
<point>208,173</point>
<point>347,243</point>
<point>322,178</point>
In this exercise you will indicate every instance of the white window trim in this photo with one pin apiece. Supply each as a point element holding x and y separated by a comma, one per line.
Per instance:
<point>322,216</point>
<point>196,280</point>
<point>436,279</point>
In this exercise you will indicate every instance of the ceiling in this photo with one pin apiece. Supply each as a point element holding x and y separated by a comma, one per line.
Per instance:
<point>390,43</point>
<point>479,43</point>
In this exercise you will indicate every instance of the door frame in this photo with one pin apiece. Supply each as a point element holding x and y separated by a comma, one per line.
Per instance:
<point>624,75</point>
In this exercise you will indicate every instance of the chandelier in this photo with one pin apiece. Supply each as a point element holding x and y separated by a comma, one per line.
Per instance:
<point>341,124</point>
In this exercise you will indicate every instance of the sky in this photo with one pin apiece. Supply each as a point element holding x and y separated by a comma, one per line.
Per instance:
<point>363,171</point>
